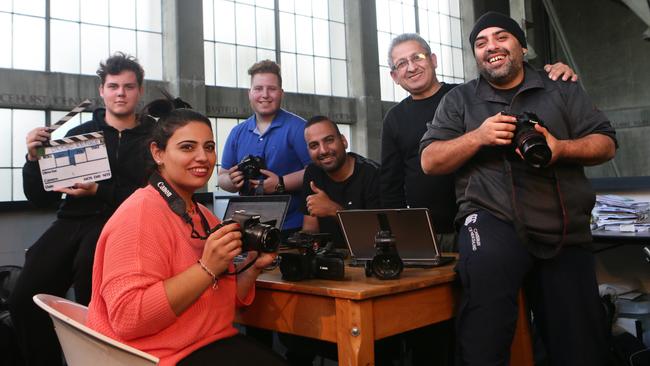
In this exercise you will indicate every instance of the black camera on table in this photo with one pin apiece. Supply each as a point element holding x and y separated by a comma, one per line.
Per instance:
<point>531,143</point>
<point>255,235</point>
<point>250,166</point>
<point>313,261</point>
<point>386,264</point>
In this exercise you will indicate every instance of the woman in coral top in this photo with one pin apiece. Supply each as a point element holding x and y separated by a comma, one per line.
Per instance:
<point>162,282</point>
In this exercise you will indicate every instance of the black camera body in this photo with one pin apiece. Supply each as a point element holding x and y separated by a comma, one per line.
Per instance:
<point>531,143</point>
<point>313,261</point>
<point>250,166</point>
<point>386,264</point>
<point>255,235</point>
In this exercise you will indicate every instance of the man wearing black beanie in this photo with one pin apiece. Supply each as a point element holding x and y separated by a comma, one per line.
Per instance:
<point>524,221</point>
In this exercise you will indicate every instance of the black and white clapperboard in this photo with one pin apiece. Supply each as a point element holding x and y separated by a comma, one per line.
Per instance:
<point>73,159</point>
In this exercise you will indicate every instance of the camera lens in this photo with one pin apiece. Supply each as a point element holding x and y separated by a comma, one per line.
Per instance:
<point>387,266</point>
<point>261,237</point>
<point>533,147</point>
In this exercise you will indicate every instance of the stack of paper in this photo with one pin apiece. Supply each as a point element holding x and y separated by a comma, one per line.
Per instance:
<point>620,213</point>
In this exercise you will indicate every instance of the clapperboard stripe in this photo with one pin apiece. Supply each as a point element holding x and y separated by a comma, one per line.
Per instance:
<point>77,138</point>
<point>76,110</point>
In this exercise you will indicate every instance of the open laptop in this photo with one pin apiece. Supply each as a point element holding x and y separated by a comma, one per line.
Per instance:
<point>270,208</point>
<point>414,235</point>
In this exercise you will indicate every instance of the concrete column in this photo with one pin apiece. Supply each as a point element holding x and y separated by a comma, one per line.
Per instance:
<point>183,59</point>
<point>363,76</point>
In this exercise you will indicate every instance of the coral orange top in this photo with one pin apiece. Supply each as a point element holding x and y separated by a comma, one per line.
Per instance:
<point>143,244</point>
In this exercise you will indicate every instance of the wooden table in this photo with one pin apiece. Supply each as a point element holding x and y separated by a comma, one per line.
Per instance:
<point>355,312</point>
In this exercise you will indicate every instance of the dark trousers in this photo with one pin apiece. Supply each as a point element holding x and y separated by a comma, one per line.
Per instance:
<point>561,291</point>
<point>62,257</point>
<point>238,350</point>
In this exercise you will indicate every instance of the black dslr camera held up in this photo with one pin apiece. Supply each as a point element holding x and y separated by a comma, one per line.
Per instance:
<point>250,165</point>
<point>386,264</point>
<point>531,144</point>
<point>255,235</point>
<point>317,259</point>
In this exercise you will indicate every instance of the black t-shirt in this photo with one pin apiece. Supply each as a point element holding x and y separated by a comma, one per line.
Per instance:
<point>403,183</point>
<point>359,191</point>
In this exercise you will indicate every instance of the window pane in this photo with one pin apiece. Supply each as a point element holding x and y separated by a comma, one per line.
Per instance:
<point>29,43</point>
<point>434,28</point>
<point>447,61</point>
<point>24,121</point>
<point>319,9</point>
<point>408,16</point>
<point>339,78</point>
<point>386,84</point>
<point>122,13</point>
<point>208,63</point>
<point>289,80</point>
<point>286,5</point>
<point>265,28</point>
<point>383,17</point>
<point>305,74</point>
<point>246,57</point>
<point>454,8</point>
<point>456,33</point>
<point>150,54</point>
<point>304,38</point>
<point>30,7</point>
<point>224,14</point>
<point>17,181</point>
<point>94,11</point>
<point>5,5</point>
<point>458,62</point>
<point>263,54</point>
<point>337,12</point>
<point>399,93</point>
<point>321,38</point>
<point>396,22</point>
<point>208,20</point>
<point>5,184</point>
<point>5,139</point>
<point>5,40</point>
<point>445,31</point>
<point>226,65</point>
<point>245,25</point>
<point>149,15</point>
<point>337,40</point>
<point>269,4</point>
<point>303,7</point>
<point>64,46</point>
<point>122,40</point>
<point>345,131</point>
<point>322,75</point>
<point>94,47</point>
<point>383,42</point>
<point>65,9</point>
<point>287,32</point>
<point>424,24</point>
<point>443,7</point>
<point>224,126</point>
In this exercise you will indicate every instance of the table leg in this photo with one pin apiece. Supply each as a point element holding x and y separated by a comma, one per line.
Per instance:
<point>355,332</point>
<point>521,351</point>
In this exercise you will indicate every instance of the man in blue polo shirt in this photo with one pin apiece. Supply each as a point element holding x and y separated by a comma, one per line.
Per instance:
<point>273,134</point>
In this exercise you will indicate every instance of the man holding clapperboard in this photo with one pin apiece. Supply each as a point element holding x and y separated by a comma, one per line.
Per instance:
<point>96,169</point>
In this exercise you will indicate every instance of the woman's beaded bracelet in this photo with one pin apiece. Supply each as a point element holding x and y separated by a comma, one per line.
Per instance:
<point>215,279</point>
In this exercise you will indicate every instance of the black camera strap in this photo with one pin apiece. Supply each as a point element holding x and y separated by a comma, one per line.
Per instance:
<point>177,205</point>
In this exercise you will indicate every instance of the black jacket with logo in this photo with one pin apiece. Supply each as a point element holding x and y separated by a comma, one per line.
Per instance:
<point>127,155</point>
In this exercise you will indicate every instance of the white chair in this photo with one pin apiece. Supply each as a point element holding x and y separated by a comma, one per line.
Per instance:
<point>83,346</point>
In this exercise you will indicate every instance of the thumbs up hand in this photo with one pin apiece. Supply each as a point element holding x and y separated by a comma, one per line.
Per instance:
<point>319,204</point>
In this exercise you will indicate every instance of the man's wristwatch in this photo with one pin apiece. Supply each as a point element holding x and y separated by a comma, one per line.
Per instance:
<point>279,188</point>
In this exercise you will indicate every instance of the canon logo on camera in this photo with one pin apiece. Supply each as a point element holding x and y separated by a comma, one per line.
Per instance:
<point>164,189</point>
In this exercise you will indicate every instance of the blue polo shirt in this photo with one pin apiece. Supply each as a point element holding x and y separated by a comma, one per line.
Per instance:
<point>282,146</point>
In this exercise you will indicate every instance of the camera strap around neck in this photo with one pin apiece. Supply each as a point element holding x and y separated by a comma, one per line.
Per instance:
<point>177,205</point>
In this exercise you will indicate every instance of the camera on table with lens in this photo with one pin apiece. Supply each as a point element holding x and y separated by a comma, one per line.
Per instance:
<point>257,236</point>
<point>386,264</point>
<point>315,259</point>
<point>531,143</point>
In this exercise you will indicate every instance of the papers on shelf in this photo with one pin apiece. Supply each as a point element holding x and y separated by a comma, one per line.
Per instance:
<point>618,213</point>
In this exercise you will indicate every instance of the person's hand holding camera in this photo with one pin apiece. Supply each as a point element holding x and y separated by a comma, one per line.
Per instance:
<point>497,130</point>
<point>236,177</point>
<point>554,144</point>
<point>270,182</point>
<point>319,204</point>
<point>221,248</point>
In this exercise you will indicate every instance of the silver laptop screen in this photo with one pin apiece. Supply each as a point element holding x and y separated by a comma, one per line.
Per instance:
<point>268,207</point>
<point>412,228</point>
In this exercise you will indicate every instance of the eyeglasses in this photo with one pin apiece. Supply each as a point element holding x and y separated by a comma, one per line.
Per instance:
<point>401,64</point>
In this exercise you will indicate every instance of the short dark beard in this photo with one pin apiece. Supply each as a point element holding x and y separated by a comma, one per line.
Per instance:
<point>493,78</point>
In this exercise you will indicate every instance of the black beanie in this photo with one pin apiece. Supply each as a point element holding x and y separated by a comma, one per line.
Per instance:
<point>494,19</point>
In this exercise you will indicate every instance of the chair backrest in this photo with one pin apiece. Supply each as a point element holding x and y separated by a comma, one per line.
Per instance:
<point>82,345</point>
